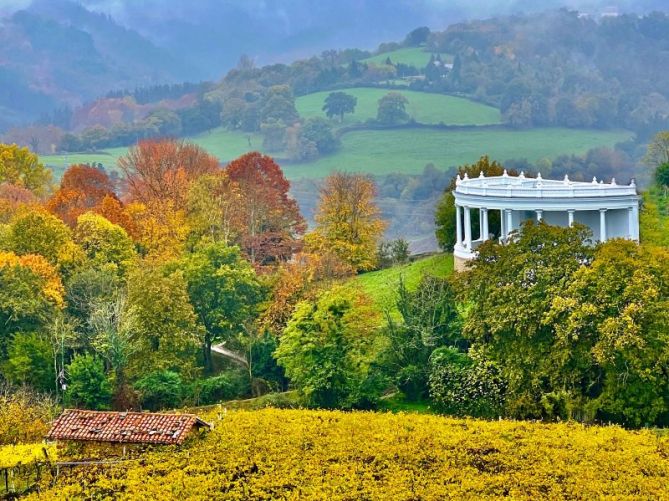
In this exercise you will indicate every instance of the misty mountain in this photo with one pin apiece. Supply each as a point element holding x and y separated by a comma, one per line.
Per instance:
<point>57,52</point>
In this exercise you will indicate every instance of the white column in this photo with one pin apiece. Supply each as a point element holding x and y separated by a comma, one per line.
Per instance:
<point>468,229</point>
<point>509,221</point>
<point>481,225</point>
<point>571,217</point>
<point>502,223</point>
<point>635,222</point>
<point>540,215</point>
<point>485,233</point>
<point>458,225</point>
<point>602,225</point>
<point>631,224</point>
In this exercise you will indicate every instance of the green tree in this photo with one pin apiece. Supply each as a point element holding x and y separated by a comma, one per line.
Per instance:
<point>319,131</point>
<point>25,301</point>
<point>38,232</point>
<point>326,349</point>
<point>20,167</point>
<point>29,362</point>
<point>662,176</point>
<point>224,291</point>
<point>392,109</point>
<point>509,290</point>
<point>88,385</point>
<point>610,355</point>
<point>160,390</point>
<point>279,105</point>
<point>104,242</point>
<point>339,103</point>
<point>168,334</point>
<point>429,320</point>
<point>465,385</point>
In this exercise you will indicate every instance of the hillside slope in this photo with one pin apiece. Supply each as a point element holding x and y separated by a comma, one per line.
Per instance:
<point>299,454</point>
<point>57,52</point>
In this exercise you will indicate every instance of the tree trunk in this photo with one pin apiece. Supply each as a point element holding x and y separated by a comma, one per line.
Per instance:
<point>208,366</point>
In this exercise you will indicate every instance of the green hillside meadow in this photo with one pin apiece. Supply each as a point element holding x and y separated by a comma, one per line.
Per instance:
<point>413,56</point>
<point>423,107</point>
<point>388,151</point>
<point>381,286</point>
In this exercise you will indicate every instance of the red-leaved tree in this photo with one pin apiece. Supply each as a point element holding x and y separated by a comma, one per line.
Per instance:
<point>271,223</point>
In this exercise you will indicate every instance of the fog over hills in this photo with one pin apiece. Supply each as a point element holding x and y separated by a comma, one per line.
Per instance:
<point>66,52</point>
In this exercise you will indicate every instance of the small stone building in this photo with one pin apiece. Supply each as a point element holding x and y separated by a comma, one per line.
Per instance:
<point>97,433</point>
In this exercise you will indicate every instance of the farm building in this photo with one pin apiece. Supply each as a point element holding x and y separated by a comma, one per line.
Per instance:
<point>79,429</point>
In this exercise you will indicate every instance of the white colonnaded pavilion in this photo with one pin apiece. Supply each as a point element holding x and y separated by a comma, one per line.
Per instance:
<point>610,210</point>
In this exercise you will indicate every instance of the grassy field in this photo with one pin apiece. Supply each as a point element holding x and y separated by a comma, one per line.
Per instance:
<point>409,150</point>
<point>414,56</point>
<point>381,286</point>
<point>382,152</point>
<point>222,143</point>
<point>308,454</point>
<point>424,107</point>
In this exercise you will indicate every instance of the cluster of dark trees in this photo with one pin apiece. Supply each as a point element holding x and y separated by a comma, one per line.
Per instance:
<point>561,68</point>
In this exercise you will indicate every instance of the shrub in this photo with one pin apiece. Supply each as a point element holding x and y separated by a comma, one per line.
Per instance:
<point>160,390</point>
<point>465,385</point>
<point>24,415</point>
<point>89,386</point>
<point>226,386</point>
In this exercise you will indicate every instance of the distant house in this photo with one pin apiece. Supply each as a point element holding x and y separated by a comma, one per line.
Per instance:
<point>83,427</point>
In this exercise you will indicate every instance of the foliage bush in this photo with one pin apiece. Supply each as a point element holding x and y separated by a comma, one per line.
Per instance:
<point>89,386</point>
<point>465,385</point>
<point>225,386</point>
<point>25,415</point>
<point>160,390</point>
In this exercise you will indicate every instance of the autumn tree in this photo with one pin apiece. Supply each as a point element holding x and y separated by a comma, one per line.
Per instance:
<point>348,221</point>
<point>13,198</point>
<point>214,208</point>
<point>160,171</point>
<point>658,150</point>
<point>31,292</point>
<point>38,232</point>
<point>21,167</point>
<point>82,188</point>
<point>271,223</point>
<point>104,242</point>
<point>339,103</point>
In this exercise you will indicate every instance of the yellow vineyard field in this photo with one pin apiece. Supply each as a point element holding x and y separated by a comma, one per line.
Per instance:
<point>14,455</point>
<point>297,454</point>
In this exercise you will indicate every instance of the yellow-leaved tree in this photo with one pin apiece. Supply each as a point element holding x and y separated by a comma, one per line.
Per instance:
<point>20,167</point>
<point>349,223</point>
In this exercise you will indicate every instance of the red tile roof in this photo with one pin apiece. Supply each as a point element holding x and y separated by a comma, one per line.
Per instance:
<point>124,427</point>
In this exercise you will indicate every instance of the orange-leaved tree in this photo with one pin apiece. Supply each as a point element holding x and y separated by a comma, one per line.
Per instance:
<point>163,170</point>
<point>82,189</point>
<point>271,223</point>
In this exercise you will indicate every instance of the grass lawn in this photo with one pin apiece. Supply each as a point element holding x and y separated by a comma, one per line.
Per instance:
<point>414,56</point>
<point>424,107</point>
<point>381,286</point>
<point>407,151</point>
